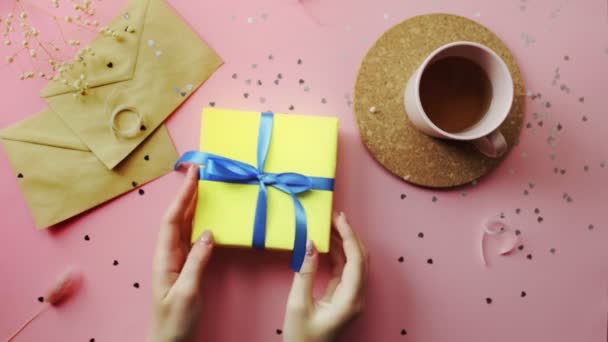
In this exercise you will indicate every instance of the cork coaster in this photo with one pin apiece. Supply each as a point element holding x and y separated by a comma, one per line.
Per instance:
<point>388,133</point>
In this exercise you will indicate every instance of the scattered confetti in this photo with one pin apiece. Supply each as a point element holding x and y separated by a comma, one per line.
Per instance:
<point>249,20</point>
<point>151,43</point>
<point>87,238</point>
<point>234,76</point>
<point>434,199</point>
<point>520,247</point>
<point>527,39</point>
<point>158,53</point>
<point>489,300</point>
<point>279,331</point>
<point>41,299</point>
<point>429,261</point>
<point>141,192</point>
<point>299,62</point>
<point>372,109</point>
<point>403,332</point>
<point>323,101</point>
<point>523,294</point>
<point>421,235</point>
<point>115,263</point>
<point>401,259</point>
<point>552,250</point>
<point>403,196</point>
<point>136,285</point>
<point>590,227</point>
<point>529,256</point>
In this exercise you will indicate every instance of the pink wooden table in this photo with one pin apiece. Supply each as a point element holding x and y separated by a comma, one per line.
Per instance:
<point>562,49</point>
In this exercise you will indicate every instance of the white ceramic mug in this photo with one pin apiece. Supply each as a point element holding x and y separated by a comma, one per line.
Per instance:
<point>484,134</point>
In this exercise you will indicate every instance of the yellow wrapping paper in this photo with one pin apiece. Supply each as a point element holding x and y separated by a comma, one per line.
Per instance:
<point>301,144</point>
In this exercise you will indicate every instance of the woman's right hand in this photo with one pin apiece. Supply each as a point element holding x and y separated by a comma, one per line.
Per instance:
<point>310,320</point>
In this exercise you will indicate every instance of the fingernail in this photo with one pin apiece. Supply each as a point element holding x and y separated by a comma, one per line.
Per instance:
<point>207,237</point>
<point>309,248</point>
<point>192,168</point>
<point>343,216</point>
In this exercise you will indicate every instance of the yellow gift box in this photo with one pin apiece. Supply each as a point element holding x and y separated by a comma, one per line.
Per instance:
<point>306,145</point>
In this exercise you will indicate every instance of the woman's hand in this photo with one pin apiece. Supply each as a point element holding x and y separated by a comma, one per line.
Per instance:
<point>310,320</point>
<point>178,268</point>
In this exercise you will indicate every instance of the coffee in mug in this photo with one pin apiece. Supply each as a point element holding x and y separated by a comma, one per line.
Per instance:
<point>462,91</point>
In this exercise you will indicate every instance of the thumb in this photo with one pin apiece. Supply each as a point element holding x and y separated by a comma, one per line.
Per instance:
<point>192,273</point>
<point>300,296</point>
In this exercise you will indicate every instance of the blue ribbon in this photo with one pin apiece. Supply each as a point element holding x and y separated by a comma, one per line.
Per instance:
<point>221,169</point>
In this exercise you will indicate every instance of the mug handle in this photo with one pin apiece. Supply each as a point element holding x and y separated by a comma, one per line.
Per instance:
<point>492,145</point>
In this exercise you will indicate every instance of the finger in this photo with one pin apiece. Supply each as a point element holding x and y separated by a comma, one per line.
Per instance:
<point>189,216</point>
<point>170,237</point>
<point>191,207</point>
<point>191,275</point>
<point>354,271</point>
<point>179,206</point>
<point>168,257</point>
<point>337,260</point>
<point>300,296</point>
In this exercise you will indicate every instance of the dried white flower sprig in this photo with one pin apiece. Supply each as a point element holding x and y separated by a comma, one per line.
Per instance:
<point>36,57</point>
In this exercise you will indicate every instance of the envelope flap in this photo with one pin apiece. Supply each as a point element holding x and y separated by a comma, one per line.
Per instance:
<point>171,63</point>
<point>44,128</point>
<point>111,57</point>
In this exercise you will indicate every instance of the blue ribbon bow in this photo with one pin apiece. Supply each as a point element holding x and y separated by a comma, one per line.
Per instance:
<point>220,169</point>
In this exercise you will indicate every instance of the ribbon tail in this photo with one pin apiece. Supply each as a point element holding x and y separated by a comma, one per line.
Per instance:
<point>259,224</point>
<point>299,243</point>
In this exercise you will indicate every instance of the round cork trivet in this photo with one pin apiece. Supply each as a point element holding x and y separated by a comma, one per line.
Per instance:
<point>387,132</point>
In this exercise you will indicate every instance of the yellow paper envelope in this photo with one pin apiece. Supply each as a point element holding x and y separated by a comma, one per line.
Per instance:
<point>300,144</point>
<point>59,175</point>
<point>152,65</point>
<point>69,156</point>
